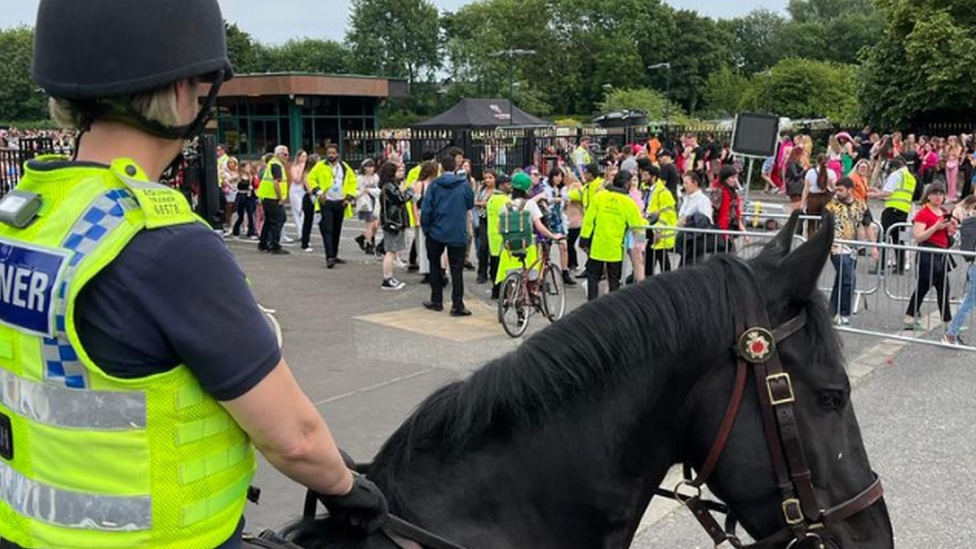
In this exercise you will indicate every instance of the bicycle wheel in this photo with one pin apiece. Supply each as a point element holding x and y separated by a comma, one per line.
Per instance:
<point>553,293</point>
<point>512,307</point>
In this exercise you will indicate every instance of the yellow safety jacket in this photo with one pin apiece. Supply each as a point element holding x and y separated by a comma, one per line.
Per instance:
<point>412,177</point>
<point>901,197</point>
<point>606,223</point>
<point>321,178</point>
<point>494,209</point>
<point>266,190</point>
<point>662,203</point>
<point>587,192</point>
<point>89,460</point>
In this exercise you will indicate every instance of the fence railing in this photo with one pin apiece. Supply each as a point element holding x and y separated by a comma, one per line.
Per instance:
<point>12,160</point>
<point>899,292</point>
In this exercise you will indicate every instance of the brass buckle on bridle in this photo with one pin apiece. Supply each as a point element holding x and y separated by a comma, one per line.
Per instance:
<point>776,399</point>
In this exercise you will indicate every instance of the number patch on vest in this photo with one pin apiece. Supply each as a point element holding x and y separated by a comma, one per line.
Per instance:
<point>6,438</point>
<point>28,276</point>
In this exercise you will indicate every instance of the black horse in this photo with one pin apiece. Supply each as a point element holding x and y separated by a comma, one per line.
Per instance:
<point>561,443</point>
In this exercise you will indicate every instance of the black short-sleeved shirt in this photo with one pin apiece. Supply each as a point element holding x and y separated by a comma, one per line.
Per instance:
<point>176,296</point>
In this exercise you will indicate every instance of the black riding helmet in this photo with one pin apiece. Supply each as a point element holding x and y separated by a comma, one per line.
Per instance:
<point>104,49</point>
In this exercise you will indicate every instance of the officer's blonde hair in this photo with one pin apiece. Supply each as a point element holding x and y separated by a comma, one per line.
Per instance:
<point>158,106</point>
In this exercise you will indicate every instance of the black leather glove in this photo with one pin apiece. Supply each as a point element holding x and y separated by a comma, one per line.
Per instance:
<point>364,507</point>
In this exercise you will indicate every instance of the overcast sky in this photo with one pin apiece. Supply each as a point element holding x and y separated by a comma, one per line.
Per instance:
<point>280,20</point>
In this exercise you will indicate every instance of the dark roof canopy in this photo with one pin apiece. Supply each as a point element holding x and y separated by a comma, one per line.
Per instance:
<point>482,114</point>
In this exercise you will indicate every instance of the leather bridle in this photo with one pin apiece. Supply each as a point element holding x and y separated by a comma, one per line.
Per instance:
<point>806,520</point>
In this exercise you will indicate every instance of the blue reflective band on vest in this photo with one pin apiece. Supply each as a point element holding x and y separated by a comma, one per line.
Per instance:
<point>28,276</point>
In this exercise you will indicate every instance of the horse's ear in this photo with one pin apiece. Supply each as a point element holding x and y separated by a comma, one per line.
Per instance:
<point>796,275</point>
<point>783,242</point>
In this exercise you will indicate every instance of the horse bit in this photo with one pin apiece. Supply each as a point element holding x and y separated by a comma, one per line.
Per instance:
<point>805,518</point>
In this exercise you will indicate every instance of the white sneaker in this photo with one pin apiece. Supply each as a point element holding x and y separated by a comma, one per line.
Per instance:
<point>845,321</point>
<point>400,263</point>
<point>287,239</point>
<point>308,250</point>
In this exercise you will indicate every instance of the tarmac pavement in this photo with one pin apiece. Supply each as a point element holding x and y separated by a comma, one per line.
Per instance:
<point>366,357</point>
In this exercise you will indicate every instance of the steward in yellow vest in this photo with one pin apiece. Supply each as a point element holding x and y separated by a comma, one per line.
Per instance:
<point>593,184</point>
<point>605,226</point>
<point>127,415</point>
<point>273,191</point>
<point>661,210</point>
<point>498,201</point>
<point>334,185</point>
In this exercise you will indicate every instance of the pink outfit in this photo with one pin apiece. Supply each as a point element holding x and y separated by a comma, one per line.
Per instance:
<point>952,178</point>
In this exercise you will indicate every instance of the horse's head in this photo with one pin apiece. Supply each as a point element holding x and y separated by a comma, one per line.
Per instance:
<point>816,424</point>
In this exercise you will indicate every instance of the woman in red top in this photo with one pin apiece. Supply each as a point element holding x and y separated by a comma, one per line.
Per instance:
<point>933,228</point>
<point>729,214</point>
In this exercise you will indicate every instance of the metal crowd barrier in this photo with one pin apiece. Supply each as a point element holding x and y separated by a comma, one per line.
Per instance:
<point>861,309</point>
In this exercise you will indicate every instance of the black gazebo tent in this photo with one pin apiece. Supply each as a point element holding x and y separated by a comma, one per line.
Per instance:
<point>482,114</point>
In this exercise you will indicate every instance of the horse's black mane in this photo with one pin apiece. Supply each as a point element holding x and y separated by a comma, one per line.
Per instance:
<point>595,348</point>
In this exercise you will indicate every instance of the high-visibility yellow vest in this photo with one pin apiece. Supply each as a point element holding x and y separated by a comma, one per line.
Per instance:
<point>494,210</point>
<point>412,177</point>
<point>322,178</point>
<point>266,190</point>
<point>89,460</point>
<point>606,223</point>
<point>901,197</point>
<point>662,203</point>
<point>587,192</point>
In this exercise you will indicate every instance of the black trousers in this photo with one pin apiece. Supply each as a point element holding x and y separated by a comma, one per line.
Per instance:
<point>244,206</point>
<point>483,250</point>
<point>932,271</point>
<point>308,218</point>
<point>656,257</point>
<point>274,221</point>
<point>889,217</point>
<point>493,263</point>
<point>455,261</point>
<point>594,272</point>
<point>333,212</point>
<point>571,237</point>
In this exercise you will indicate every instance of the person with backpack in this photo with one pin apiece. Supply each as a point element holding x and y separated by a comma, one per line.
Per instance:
<point>965,215</point>
<point>518,223</point>
<point>605,226</point>
<point>497,202</point>
<point>393,220</point>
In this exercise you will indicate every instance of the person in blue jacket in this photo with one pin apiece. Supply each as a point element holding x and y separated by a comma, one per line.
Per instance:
<point>443,215</point>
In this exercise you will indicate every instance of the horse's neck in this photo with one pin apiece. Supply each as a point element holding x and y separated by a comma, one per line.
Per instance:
<point>582,478</point>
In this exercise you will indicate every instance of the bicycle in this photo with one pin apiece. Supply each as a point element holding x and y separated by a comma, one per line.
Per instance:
<point>522,297</point>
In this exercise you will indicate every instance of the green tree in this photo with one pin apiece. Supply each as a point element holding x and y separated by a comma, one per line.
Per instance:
<point>755,40</point>
<point>697,50</point>
<point>924,67</point>
<point>805,88</point>
<point>723,91</point>
<point>243,50</point>
<point>397,38</point>
<point>309,55</point>
<point>20,99</point>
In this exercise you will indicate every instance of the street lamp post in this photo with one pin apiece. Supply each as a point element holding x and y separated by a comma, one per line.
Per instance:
<point>667,95</point>
<point>511,54</point>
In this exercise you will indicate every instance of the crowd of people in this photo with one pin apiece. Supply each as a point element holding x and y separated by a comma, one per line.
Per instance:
<point>591,203</point>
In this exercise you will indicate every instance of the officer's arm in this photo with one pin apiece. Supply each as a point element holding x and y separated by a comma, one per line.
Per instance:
<point>285,426</point>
